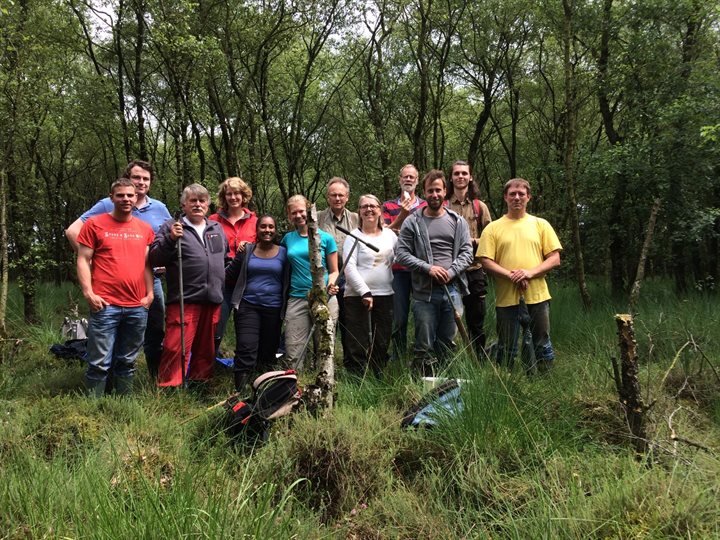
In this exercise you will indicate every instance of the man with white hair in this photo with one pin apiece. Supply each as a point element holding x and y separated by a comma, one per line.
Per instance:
<point>203,247</point>
<point>395,212</point>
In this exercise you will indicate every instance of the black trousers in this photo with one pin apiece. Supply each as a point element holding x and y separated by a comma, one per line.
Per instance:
<point>475,310</point>
<point>257,335</point>
<point>362,327</point>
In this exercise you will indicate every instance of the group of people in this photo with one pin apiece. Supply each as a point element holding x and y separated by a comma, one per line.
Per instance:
<point>428,253</point>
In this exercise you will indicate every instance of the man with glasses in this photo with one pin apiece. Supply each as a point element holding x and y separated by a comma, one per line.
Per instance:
<point>338,194</point>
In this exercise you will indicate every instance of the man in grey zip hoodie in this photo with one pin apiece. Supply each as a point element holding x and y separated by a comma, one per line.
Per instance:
<point>434,243</point>
<point>203,247</point>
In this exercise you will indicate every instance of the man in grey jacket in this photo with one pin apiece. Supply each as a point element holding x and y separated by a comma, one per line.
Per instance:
<point>435,245</point>
<point>338,194</point>
<point>203,247</point>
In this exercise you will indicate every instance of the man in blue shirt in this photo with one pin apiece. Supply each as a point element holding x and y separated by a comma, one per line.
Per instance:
<point>154,213</point>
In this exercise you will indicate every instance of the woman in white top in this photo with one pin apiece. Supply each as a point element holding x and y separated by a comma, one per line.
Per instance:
<point>368,290</point>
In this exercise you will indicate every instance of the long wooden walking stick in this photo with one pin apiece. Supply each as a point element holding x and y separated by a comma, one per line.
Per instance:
<point>370,335</point>
<point>459,322</point>
<point>183,352</point>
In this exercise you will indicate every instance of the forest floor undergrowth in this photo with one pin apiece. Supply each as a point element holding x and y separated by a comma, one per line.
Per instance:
<point>542,457</point>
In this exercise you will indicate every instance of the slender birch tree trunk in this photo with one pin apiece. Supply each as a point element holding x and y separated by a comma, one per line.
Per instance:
<point>4,263</point>
<point>320,314</point>
<point>640,275</point>
<point>571,130</point>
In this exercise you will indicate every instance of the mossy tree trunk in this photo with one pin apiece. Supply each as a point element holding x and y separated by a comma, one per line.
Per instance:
<point>320,314</point>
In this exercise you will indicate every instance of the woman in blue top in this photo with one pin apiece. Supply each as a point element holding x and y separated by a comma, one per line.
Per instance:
<point>258,278</point>
<point>297,317</point>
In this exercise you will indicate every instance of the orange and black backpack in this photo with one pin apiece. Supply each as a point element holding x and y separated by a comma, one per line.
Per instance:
<point>274,394</point>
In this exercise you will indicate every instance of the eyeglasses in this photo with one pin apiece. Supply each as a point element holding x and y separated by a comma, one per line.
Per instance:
<point>369,206</point>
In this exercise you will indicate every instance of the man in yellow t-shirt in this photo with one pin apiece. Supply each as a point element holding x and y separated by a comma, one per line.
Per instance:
<point>519,249</point>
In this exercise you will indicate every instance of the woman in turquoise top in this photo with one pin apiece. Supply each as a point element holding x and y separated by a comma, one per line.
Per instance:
<point>298,322</point>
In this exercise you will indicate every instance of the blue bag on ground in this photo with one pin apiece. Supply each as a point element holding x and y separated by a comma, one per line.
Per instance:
<point>441,402</point>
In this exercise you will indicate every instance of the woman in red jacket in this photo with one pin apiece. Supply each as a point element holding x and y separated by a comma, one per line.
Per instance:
<point>238,223</point>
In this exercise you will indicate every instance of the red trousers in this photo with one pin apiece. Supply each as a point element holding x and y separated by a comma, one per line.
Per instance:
<point>200,322</point>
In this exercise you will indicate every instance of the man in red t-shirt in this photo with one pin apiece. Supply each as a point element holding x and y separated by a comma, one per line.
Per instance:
<point>118,285</point>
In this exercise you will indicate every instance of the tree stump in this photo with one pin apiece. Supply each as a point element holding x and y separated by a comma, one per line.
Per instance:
<point>626,381</point>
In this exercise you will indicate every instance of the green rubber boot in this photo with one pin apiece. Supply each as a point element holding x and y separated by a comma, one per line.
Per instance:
<point>123,386</point>
<point>95,388</point>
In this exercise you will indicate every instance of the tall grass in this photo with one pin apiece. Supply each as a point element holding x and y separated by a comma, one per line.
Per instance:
<point>546,457</point>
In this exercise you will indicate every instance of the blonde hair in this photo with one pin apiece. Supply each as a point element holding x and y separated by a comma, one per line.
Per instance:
<point>296,199</point>
<point>233,184</point>
<point>372,197</point>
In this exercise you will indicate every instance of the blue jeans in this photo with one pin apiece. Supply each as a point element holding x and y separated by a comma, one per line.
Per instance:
<point>435,325</point>
<point>508,331</point>
<point>402,287</point>
<point>155,330</point>
<point>115,336</point>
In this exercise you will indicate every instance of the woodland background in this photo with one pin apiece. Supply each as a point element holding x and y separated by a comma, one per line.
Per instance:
<point>603,105</point>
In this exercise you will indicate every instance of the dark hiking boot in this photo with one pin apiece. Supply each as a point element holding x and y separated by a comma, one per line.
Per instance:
<point>241,380</point>
<point>153,364</point>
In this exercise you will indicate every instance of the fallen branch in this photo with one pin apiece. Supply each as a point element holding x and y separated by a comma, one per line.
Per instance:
<point>675,438</point>
<point>682,387</point>
<point>704,356</point>
<point>672,364</point>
